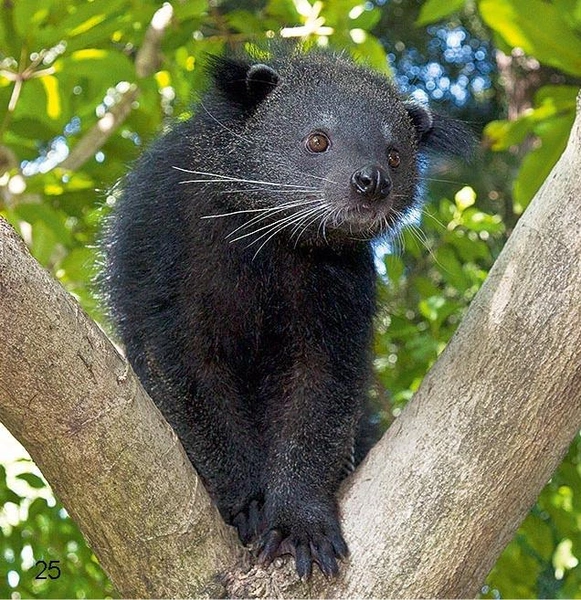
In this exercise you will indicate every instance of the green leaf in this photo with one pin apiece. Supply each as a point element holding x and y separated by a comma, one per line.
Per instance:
<point>537,164</point>
<point>556,98</point>
<point>96,64</point>
<point>244,21</point>
<point>395,268</point>
<point>28,14</point>
<point>192,9</point>
<point>98,35</point>
<point>79,264</point>
<point>577,13</point>
<point>3,36</point>
<point>33,480</point>
<point>436,10</point>
<point>53,220</point>
<point>476,220</point>
<point>368,19</point>
<point>504,134</point>
<point>34,128</point>
<point>430,307</point>
<point>38,506</point>
<point>9,495</point>
<point>451,268</point>
<point>540,28</point>
<point>53,98</point>
<point>37,98</point>
<point>95,70</point>
<point>44,242</point>
<point>425,286</point>
<point>371,53</point>
<point>284,11</point>
<point>11,40</point>
<point>85,16</point>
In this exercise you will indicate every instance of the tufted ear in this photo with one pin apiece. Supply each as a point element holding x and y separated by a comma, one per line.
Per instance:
<point>242,83</point>
<point>260,81</point>
<point>440,133</point>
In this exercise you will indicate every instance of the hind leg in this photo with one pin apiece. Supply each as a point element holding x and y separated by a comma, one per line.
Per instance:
<point>221,441</point>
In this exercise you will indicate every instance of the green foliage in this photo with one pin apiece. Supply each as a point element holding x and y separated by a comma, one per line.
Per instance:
<point>434,10</point>
<point>543,559</point>
<point>431,279</point>
<point>550,122</point>
<point>549,31</point>
<point>35,528</point>
<point>67,65</point>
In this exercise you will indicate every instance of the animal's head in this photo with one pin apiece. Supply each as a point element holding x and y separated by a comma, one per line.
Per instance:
<point>333,142</point>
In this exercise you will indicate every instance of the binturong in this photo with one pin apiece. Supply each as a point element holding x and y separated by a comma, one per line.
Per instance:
<point>240,277</point>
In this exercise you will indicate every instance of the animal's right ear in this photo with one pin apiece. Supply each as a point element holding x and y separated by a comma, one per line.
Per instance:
<point>440,133</point>
<point>242,83</point>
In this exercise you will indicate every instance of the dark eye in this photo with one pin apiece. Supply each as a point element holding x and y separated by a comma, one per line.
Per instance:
<point>393,159</point>
<point>317,142</point>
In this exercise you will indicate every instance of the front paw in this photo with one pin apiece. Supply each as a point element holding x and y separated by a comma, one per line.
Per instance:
<point>248,521</point>
<point>309,531</point>
<point>242,508</point>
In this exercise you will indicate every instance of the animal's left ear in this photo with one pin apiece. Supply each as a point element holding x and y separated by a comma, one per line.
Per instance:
<point>260,81</point>
<point>240,82</point>
<point>439,133</point>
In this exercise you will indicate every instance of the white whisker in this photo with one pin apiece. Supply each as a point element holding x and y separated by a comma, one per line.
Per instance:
<point>307,225</point>
<point>236,179</point>
<point>244,190</point>
<point>261,217</point>
<point>270,225</point>
<point>297,216</point>
<point>261,210</point>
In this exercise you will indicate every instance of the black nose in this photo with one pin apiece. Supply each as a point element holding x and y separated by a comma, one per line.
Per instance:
<point>372,181</point>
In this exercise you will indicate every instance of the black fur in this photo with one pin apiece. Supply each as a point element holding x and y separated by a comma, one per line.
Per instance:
<point>257,349</point>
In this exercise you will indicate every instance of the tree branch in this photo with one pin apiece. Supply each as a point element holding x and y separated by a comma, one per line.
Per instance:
<point>466,460</point>
<point>101,131</point>
<point>111,459</point>
<point>427,513</point>
<point>147,61</point>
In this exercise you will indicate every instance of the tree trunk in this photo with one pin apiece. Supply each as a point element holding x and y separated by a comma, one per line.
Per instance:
<point>428,512</point>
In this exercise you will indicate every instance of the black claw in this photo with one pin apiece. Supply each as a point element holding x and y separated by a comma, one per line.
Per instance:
<point>269,545</point>
<point>339,546</point>
<point>241,524</point>
<point>287,546</point>
<point>324,556</point>
<point>254,518</point>
<point>303,561</point>
<point>314,537</point>
<point>248,522</point>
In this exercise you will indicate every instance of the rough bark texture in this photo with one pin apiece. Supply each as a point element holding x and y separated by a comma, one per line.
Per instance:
<point>428,512</point>
<point>119,469</point>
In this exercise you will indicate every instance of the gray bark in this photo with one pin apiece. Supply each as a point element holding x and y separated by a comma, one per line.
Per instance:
<point>428,512</point>
<point>111,459</point>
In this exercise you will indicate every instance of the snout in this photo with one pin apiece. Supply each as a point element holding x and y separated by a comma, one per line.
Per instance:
<point>372,181</point>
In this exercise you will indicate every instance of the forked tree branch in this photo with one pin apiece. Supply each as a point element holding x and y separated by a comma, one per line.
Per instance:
<point>428,512</point>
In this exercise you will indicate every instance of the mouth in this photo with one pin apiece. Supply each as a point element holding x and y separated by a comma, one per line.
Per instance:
<point>374,218</point>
